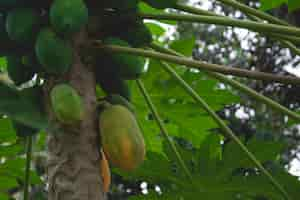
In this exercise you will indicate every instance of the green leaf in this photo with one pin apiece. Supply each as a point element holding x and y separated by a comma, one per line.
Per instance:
<point>293,5</point>
<point>21,108</point>
<point>155,29</point>
<point>270,4</point>
<point>3,64</point>
<point>7,132</point>
<point>7,182</point>
<point>184,46</point>
<point>263,150</point>
<point>144,8</point>
<point>4,196</point>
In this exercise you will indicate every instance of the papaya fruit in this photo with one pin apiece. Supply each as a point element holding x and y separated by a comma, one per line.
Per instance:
<point>66,103</point>
<point>116,99</point>
<point>68,16</point>
<point>127,66</point>
<point>8,46</point>
<point>122,140</point>
<point>105,172</point>
<point>53,53</point>
<point>109,81</point>
<point>138,35</point>
<point>161,4</point>
<point>22,24</point>
<point>112,84</point>
<point>17,71</point>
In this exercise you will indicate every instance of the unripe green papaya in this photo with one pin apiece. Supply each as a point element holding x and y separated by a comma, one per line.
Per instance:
<point>116,99</point>
<point>17,71</point>
<point>126,66</point>
<point>68,16</point>
<point>137,35</point>
<point>66,103</point>
<point>53,53</point>
<point>122,140</point>
<point>8,46</point>
<point>22,24</point>
<point>112,84</point>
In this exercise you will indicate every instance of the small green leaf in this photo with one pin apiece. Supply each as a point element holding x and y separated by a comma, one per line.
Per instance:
<point>7,132</point>
<point>184,46</point>
<point>21,108</point>
<point>155,29</point>
<point>4,196</point>
<point>7,182</point>
<point>144,8</point>
<point>270,4</point>
<point>293,5</point>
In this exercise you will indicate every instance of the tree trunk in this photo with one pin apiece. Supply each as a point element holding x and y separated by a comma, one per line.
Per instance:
<point>74,158</point>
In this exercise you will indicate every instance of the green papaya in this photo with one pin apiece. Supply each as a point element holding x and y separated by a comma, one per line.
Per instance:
<point>137,35</point>
<point>115,85</point>
<point>17,71</point>
<point>22,24</point>
<point>161,4</point>
<point>116,99</point>
<point>53,53</point>
<point>110,82</point>
<point>68,16</point>
<point>66,103</point>
<point>9,47</point>
<point>122,140</point>
<point>127,66</point>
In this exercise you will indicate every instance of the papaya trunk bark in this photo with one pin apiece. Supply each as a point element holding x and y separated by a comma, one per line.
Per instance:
<point>73,152</point>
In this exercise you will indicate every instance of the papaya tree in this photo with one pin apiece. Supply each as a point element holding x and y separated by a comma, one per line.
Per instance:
<point>91,82</point>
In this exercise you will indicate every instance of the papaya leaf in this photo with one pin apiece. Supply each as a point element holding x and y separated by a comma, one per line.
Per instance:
<point>155,29</point>
<point>21,108</point>
<point>144,8</point>
<point>293,5</point>
<point>184,46</point>
<point>4,196</point>
<point>268,5</point>
<point>7,132</point>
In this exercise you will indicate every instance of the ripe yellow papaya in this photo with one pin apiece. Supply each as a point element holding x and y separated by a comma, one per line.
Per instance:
<point>105,172</point>
<point>122,140</point>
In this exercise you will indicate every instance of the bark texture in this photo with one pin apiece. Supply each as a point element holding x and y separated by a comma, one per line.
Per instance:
<point>74,158</point>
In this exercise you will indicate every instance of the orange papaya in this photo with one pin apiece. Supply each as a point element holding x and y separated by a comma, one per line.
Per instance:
<point>122,140</point>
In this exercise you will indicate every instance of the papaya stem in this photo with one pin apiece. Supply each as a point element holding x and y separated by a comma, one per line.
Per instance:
<point>224,128</point>
<point>248,10</point>
<point>235,84</point>
<point>28,163</point>
<point>163,129</point>
<point>226,21</point>
<point>285,40</point>
<point>202,65</point>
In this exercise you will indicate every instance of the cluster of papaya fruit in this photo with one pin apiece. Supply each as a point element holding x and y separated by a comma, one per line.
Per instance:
<point>35,39</point>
